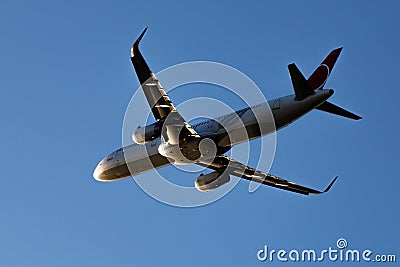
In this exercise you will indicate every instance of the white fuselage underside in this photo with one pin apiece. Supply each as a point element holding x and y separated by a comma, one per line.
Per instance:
<point>269,117</point>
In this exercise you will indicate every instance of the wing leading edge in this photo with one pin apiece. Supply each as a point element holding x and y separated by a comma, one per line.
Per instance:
<point>160,104</point>
<point>233,167</point>
<point>157,98</point>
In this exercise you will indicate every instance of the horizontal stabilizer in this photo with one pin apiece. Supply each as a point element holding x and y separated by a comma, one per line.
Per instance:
<point>331,108</point>
<point>302,88</point>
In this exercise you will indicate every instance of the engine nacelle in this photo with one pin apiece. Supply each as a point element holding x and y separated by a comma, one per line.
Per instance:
<point>211,181</point>
<point>143,135</point>
<point>173,153</point>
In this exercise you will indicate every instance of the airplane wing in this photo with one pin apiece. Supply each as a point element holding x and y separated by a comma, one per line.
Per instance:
<point>233,167</point>
<point>160,104</point>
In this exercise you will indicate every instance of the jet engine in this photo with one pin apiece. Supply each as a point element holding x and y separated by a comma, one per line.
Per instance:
<point>174,154</point>
<point>210,181</point>
<point>143,135</point>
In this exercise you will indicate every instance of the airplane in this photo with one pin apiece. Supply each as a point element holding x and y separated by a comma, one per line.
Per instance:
<point>172,140</point>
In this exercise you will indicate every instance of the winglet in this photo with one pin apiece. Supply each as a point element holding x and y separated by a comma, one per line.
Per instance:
<point>136,43</point>
<point>330,185</point>
<point>315,192</point>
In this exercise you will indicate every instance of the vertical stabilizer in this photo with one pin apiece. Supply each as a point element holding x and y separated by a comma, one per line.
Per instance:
<point>318,78</point>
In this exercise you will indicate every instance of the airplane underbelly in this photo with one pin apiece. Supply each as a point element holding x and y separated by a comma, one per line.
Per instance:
<point>143,158</point>
<point>134,160</point>
<point>147,164</point>
<point>290,109</point>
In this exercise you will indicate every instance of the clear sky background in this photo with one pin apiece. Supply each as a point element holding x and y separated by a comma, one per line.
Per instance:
<point>66,79</point>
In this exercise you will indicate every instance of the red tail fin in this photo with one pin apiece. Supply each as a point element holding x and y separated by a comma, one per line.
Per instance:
<point>318,79</point>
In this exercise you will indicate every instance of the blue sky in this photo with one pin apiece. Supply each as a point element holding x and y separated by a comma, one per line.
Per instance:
<point>66,79</point>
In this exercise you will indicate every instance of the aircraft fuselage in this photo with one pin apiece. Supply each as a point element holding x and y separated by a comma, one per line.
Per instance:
<point>136,159</point>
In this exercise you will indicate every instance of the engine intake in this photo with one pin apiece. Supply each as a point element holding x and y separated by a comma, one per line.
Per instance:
<point>211,181</point>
